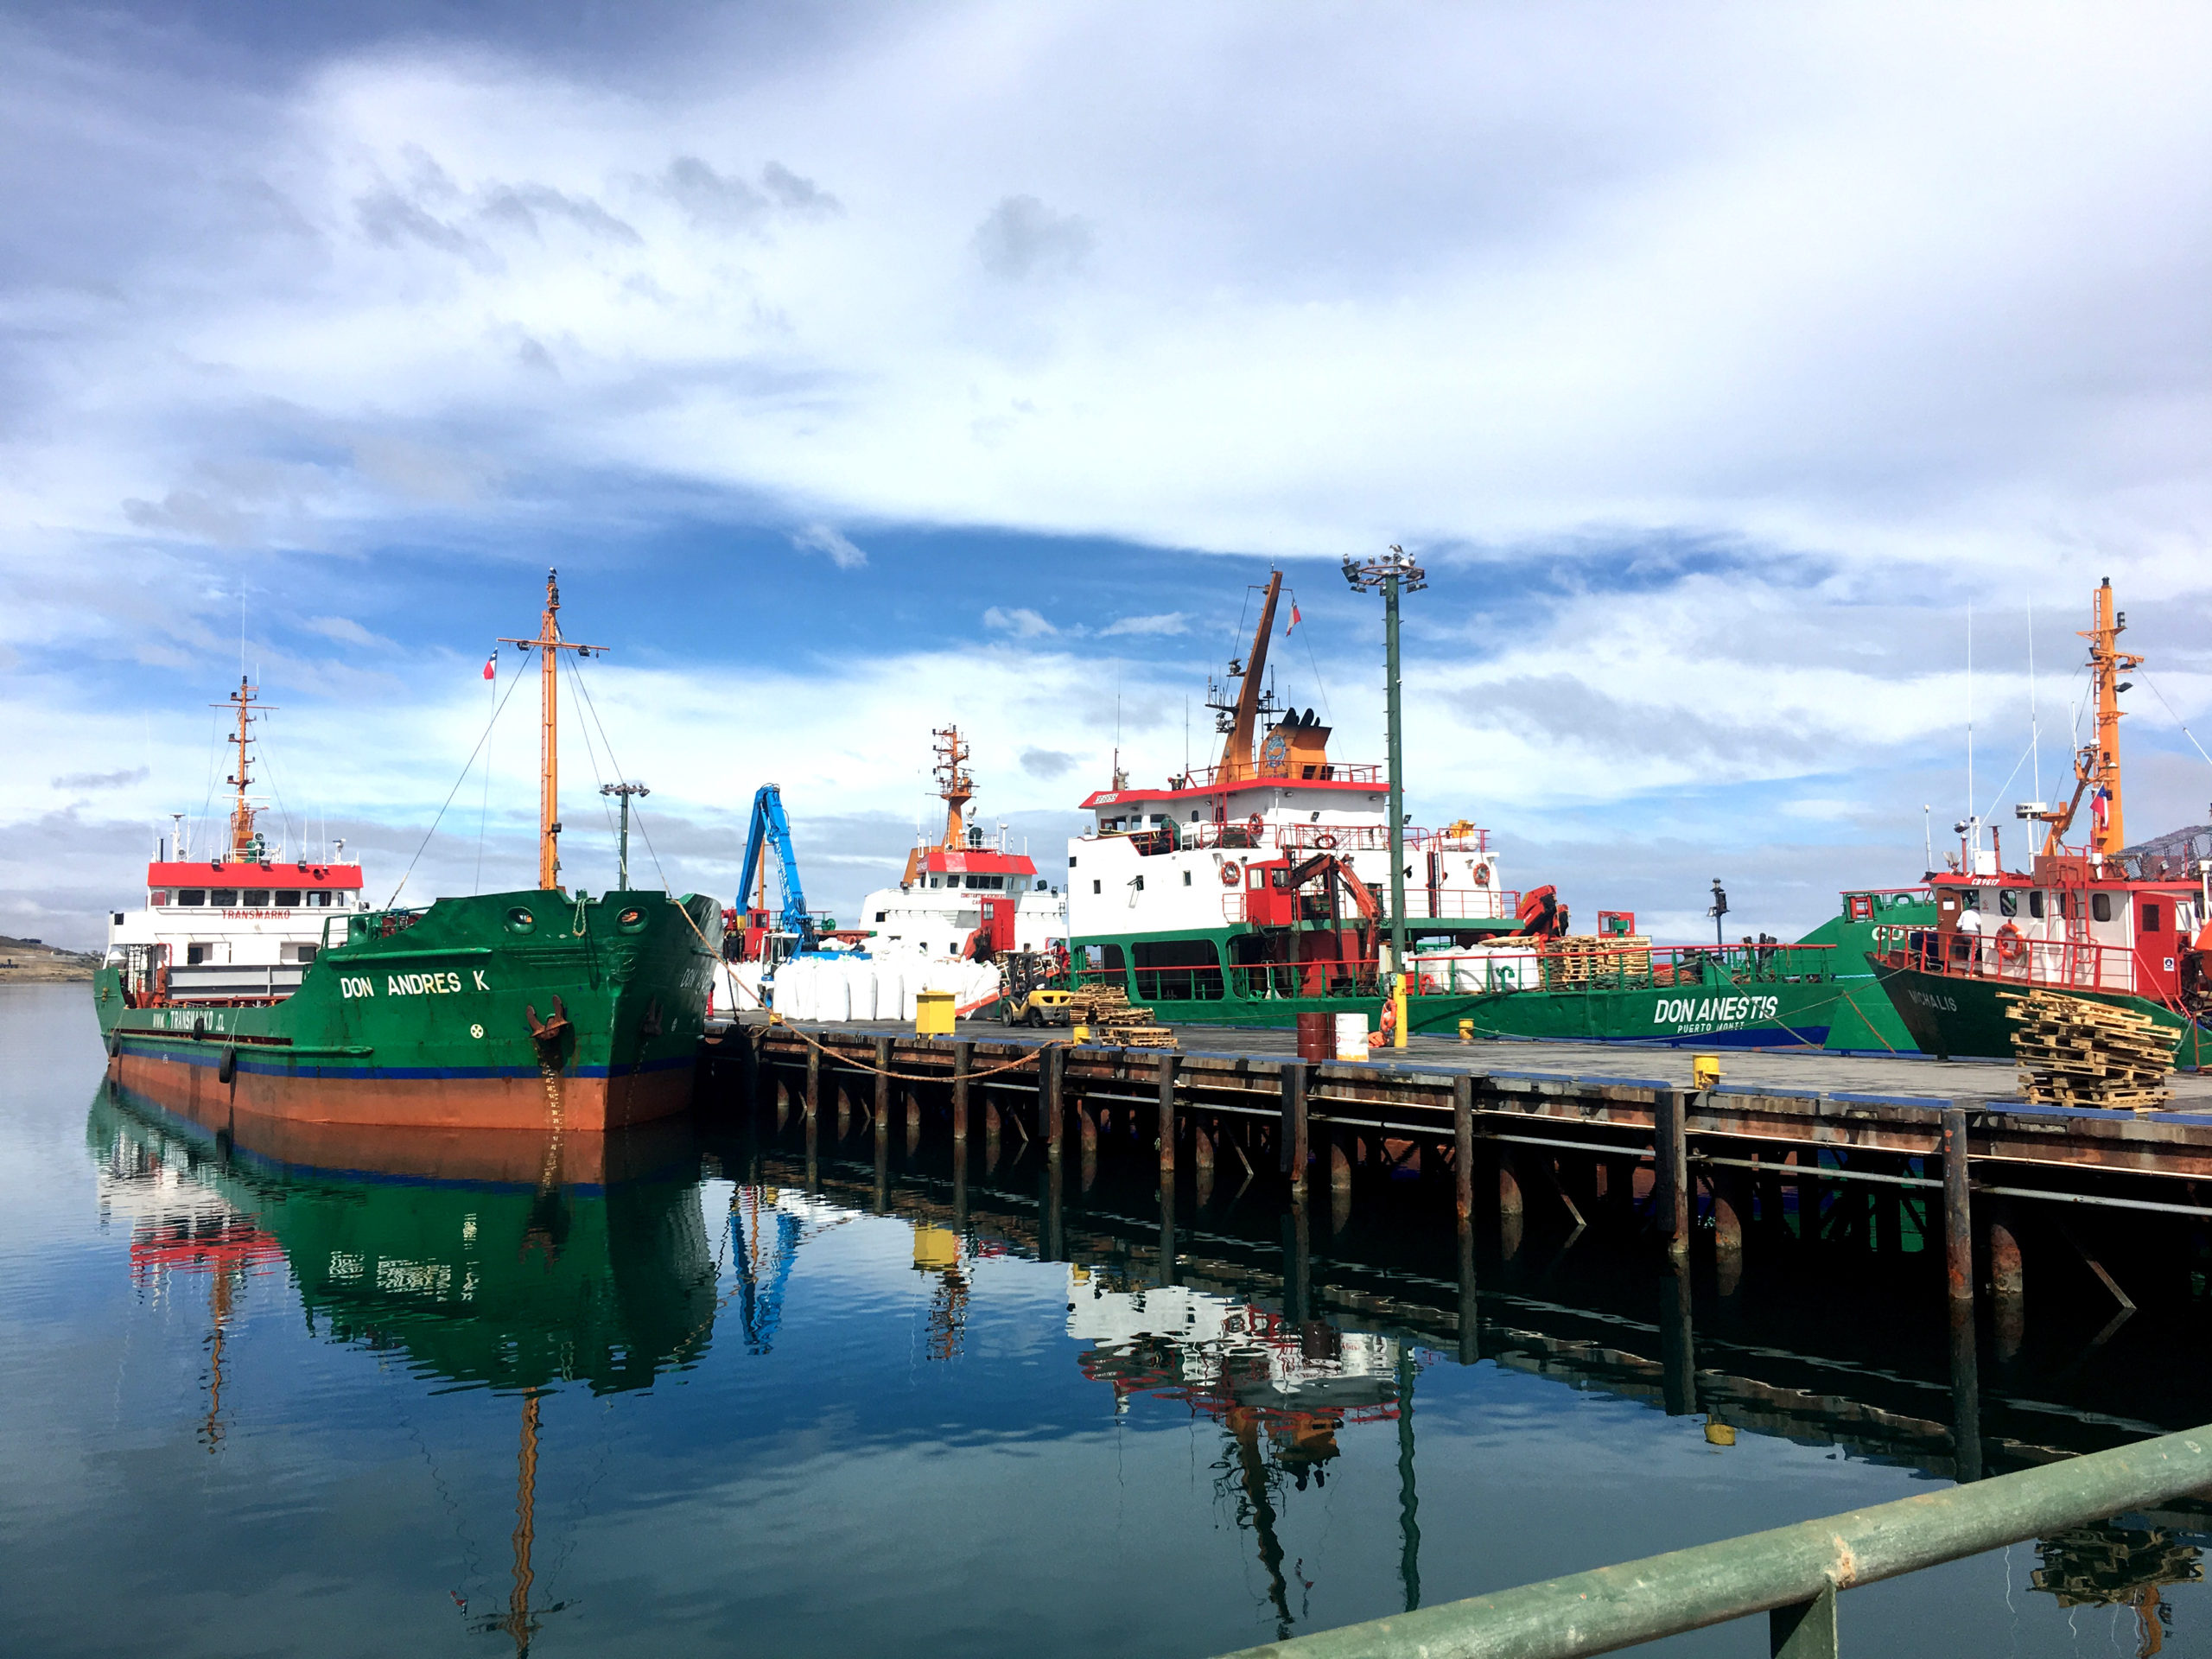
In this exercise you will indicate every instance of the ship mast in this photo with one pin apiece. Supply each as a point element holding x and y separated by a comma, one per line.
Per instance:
<point>954,784</point>
<point>244,847</point>
<point>1243,716</point>
<point>2096,766</point>
<point>548,642</point>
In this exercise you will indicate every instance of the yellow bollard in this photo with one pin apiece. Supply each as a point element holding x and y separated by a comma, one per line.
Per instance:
<point>1466,1031</point>
<point>1704,1071</point>
<point>1079,1034</point>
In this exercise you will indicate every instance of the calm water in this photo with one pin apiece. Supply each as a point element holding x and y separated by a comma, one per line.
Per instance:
<point>265,1407</point>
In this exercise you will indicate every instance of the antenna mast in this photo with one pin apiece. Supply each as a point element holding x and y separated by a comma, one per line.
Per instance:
<point>245,844</point>
<point>548,642</point>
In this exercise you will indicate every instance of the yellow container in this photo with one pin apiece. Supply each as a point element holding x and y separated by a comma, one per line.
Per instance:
<point>1704,1071</point>
<point>933,1014</point>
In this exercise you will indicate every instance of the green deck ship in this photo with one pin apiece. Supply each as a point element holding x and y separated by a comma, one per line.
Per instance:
<point>1251,892</point>
<point>250,981</point>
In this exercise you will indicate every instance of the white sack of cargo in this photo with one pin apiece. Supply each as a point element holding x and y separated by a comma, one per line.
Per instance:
<point>1508,965</point>
<point>866,987</point>
<point>834,995</point>
<point>790,997</point>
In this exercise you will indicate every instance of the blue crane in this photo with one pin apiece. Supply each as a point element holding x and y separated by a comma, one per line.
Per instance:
<point>769,825</point>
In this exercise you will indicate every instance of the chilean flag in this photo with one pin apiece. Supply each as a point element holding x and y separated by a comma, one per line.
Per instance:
<point>1296,619</point>
<point>2101,807</point>
<point>491,664</point>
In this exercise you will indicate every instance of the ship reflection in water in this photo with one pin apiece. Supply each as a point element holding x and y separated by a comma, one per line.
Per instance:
<point>1283,1393</point>
<point>794,1366</point>
<point>513,1262</point>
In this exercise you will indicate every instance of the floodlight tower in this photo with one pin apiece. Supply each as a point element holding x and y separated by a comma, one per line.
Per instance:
<point>624,791</point>
<point>1395,574</point>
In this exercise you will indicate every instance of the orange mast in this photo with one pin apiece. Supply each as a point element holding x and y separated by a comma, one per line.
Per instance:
<point>1237,751</point>
<point>549,640</point>
<point>955,785</point>
<point>243,848</point>
<point>2097,766</point>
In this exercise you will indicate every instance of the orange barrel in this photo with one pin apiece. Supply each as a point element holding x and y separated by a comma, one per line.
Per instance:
<point>1317,1038</point>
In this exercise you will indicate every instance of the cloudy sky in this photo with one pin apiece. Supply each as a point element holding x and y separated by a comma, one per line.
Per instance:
<point>867,368</point>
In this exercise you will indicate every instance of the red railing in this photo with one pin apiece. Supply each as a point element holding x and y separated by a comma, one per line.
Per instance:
<point>1239,835</point>
<point>1268,907</point>
<point>2022,959</point>
<point>1326,772</point>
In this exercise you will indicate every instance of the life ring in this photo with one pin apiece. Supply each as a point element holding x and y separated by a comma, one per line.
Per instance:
<point>1232,875</point>
<point>2012,948</point>
<point>1253,825</point>
<point>1482,875</point>
<point>1428,986</point>
<point>1324,841</point>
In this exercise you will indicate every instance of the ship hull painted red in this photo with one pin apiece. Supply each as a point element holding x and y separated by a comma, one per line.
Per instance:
<point>187,1078</point>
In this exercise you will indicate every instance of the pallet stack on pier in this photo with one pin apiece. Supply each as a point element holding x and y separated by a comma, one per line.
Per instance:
<point>1107,1010</point>
<point>2074,1051</point>
<point>1580,959</point>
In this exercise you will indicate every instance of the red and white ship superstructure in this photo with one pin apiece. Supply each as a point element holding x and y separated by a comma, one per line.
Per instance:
<point>964,896</point>
<point>242,923</point>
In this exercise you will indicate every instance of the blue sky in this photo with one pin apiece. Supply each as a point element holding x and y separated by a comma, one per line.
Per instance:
<point>867,368</point>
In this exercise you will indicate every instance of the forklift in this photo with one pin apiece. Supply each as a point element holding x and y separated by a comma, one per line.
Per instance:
<point>1033,990</point>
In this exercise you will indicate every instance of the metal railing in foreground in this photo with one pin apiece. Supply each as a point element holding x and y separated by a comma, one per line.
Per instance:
<point>1791,1574</point>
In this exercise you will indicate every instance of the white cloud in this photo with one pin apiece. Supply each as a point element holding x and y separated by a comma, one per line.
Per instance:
<point>1169,622</point>
<point>820,538</point>
<point>343,629</point>
<point>1020,621</point>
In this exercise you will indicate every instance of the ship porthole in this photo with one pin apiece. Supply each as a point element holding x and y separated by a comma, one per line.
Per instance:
<point>631,920</point>
<point>519,920</point>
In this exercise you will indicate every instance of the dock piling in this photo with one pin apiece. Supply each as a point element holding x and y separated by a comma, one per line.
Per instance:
<point>1958,1212</point>
<point>1168,1070</point>
<point>1050,1072</point>
<point>1463,1148</point>
<point>1671,1198</point>
<point>1295,1140</point>
<point>962,1054</point>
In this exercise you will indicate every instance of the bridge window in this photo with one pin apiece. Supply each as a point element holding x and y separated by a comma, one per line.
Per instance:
<point>2008,903</point>
<point>192,895</point>
<point>319,897</point>
<point>2034,905</point>
<point>1969,899</point>
<point>1097,886</point>
<point>285,898</point>
<point>1186,878</point>
<point>2100,907</point>
<point>256,898</point>
<point>223,898</point>
<point>158,896</point>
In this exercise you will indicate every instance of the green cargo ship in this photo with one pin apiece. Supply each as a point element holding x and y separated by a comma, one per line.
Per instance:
<point>260,983</point>
<point>2127,927</point>
<point>1251,892</point>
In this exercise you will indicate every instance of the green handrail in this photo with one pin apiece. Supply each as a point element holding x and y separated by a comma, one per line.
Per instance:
<point>1792,1571</point>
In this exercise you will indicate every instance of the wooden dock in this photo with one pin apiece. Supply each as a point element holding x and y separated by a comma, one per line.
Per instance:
<point>1609,1138</point>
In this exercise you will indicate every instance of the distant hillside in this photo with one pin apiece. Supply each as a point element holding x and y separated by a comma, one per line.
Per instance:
<point>23,960</point>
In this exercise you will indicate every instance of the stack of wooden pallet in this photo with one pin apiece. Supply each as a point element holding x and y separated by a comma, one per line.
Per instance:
<point>1580,958</point>
<point>1113,1020</point>
<point>2074,1051</point>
